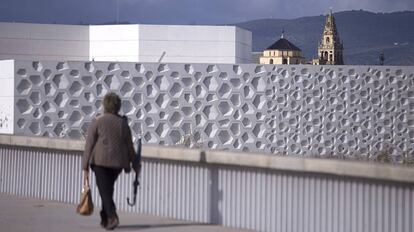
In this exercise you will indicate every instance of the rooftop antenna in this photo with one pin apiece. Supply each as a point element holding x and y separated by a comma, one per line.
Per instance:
<point>283,34</point>
<point>117,11</point>
<point>161,57</point>
<point>382,58</point>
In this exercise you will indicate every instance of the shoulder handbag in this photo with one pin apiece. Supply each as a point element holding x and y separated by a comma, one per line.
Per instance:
<point>85,206</point>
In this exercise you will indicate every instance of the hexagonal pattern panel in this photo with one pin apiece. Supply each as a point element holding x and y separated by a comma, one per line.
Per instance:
<point>295,110</point>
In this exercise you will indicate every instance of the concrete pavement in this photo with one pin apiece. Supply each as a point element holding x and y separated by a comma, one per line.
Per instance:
<point>28,214</point>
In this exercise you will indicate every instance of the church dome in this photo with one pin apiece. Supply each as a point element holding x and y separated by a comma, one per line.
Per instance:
<point>283,45</point>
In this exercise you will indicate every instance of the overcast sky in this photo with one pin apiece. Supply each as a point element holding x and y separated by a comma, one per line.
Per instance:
<point>181,11</point>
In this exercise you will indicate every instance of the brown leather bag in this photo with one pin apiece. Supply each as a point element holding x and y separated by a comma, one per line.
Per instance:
<point>85,206</point>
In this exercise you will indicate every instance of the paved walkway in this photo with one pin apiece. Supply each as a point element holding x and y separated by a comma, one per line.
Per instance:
<point>27,214</point>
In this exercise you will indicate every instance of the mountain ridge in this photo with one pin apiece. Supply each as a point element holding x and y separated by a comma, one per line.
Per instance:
<point>364,34</point>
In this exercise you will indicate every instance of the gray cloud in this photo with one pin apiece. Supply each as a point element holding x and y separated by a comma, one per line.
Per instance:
<point>182,11</point>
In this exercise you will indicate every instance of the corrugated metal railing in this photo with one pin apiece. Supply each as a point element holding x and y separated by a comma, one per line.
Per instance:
<point>171,189</point>
<point>251,198</point>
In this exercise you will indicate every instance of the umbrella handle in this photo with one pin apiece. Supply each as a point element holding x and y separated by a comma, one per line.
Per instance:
<point>129,203</point>
<point>136,183</point>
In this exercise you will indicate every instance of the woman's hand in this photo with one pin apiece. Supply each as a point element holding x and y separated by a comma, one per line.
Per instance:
<point>85,178</point>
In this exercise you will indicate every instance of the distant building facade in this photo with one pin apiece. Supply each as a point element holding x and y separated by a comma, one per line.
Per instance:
<point>282,52</point>
<point>256,57</point>
<point>330,50</point>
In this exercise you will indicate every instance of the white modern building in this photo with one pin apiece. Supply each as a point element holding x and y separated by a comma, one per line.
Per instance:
<point>133,42</point>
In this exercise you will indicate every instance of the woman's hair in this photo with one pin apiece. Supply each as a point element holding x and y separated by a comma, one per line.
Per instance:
<point>111,103</point>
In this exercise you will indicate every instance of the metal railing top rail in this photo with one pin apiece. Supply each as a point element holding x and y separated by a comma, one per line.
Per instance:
<point>357,169</point>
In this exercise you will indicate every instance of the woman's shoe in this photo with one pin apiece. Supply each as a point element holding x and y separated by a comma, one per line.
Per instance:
<point>104,219</point>
<point>113,222</point>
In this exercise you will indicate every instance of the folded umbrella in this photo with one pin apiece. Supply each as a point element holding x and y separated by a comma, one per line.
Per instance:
<point>136,165</point>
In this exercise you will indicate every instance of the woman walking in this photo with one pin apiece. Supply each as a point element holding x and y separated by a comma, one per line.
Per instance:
<point>108,150</point>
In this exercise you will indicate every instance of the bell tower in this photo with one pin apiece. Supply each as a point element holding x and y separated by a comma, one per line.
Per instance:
<point>330,50</point>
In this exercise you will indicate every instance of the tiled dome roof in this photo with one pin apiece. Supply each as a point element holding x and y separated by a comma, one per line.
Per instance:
<point>283,44</point>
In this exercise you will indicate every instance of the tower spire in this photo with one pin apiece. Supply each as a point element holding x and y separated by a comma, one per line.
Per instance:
<point>283,34</point>
<point>330,50</point>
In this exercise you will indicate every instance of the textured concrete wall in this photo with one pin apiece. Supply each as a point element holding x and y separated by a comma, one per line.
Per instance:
<point>294,110</point>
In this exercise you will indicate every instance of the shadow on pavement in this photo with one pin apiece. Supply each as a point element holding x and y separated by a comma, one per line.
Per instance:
<point>147,226</point>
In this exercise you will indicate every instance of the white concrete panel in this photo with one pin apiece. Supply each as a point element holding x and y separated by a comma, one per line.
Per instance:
<point>114,32</point>
<point>116,58</point>
<point>188,59</point>
<point>114,43</point>
<point>6,69</point>
<point>113,48</point>
<point>6,114</point>
<point>243,36</point>
<point>55,32</point>
<point>6,87</point>
<point>243,46</point>
<point>193,48</point>
<point>44,41</point>
<point>187,33</point>
<point>42,57</point>
<point>44,31</point>
<point>14,30</point>
<point>124,42</point>
<point>59,48</point>
<point>196,44</point>
<point>59,32</point>
<point>242,54</point>
<point>6,96</point>
<point>14,46</point>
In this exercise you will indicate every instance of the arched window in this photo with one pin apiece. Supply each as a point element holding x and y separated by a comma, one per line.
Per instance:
<point>325,55</point>
<point>271,61</point>
<point>284,61</point>
<point>330,57</point>
<point>327,40</point>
